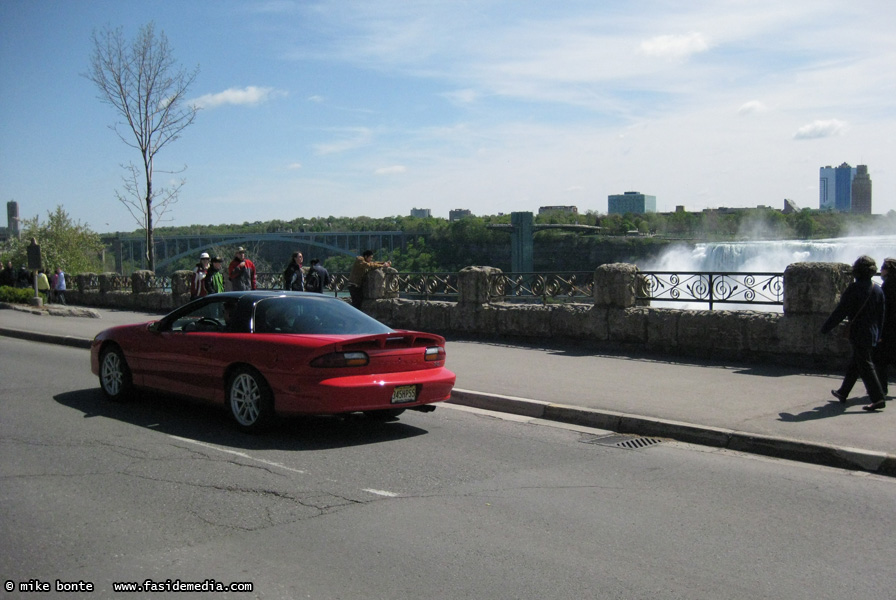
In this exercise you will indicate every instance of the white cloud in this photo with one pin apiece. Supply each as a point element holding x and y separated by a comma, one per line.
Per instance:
<point>294,166</point>
<point>393,170</point>
<point>249,95</point>
<point>820,129</point>
<point>353,138</point>
<point>752,107</point>
<point>675,46</point>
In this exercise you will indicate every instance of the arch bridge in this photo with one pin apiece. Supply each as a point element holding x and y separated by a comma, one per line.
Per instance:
<point>170,248</point>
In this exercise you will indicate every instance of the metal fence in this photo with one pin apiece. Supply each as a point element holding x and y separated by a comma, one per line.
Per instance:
<point>572,286</point>
<point>578,286</point>
<point>547,288</point>
<point>713,287</point>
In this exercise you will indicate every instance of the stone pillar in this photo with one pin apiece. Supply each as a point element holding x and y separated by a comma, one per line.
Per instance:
<point>82,281</point>
<point>616,285</point>
<point>140,281</point>
<point>106,284</point>
<point>474,288</point>
<point>180,283</point>
<point>381,284</point>
<point>813,287</point>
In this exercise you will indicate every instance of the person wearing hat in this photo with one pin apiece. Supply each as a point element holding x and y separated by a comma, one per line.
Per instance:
<point>214,279</point>
<point>863,303</point>
<point>197,283</point>
<point>241,272</point>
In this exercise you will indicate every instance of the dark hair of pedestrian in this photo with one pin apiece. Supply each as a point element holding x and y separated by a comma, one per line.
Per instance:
<point>889,264</point>
<point>864,268</point>
<point>314,261</point>
<point>367,253</point>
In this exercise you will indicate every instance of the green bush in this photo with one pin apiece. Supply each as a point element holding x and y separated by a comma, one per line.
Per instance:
<point>16,295</point>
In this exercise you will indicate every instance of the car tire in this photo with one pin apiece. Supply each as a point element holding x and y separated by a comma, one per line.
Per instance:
<point>115,375</point>
<point>382,416</point>
<point>249,400</point>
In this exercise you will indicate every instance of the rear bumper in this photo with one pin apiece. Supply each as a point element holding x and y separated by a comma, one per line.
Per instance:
<point>364,392</point>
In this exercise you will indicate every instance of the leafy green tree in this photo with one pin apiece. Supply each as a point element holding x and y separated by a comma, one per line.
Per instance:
<point>416,258</point>
<point>63,243</point>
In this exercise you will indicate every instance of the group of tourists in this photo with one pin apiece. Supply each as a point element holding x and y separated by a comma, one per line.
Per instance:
<point>208,275</point>
<point>51,289</point>
<point>11,277</point>
<point>296,278</point>
<point>871,310</point>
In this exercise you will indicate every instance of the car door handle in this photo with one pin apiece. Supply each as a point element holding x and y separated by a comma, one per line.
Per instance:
<point>205,347</point>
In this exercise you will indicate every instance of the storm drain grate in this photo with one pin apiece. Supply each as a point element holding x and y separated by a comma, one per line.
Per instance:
<point>624,441</point>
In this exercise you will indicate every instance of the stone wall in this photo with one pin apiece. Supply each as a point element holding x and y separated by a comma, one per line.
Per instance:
<point>614,318</point>
<point>811,291</point>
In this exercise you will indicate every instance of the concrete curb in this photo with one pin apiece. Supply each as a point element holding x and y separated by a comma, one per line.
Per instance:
<point>47,338</point>
<point>828,455</point>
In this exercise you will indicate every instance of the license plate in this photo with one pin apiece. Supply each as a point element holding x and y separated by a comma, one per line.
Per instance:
<point>404,393</point>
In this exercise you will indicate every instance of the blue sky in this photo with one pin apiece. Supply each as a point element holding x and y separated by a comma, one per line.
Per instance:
<point>344,108</point>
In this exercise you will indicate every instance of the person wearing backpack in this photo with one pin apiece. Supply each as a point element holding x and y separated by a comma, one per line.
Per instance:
<point>318,278</point>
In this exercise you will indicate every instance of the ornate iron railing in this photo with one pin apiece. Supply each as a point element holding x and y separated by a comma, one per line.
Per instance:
<point>274,281</point>
<point>268,281</point>
<point>91,282</point>
<point>120,283</point>
<point>578,286</point>
<point>713,287</point>
<point>158,282</point>
<point>548,287</point>
<point>424,286</point>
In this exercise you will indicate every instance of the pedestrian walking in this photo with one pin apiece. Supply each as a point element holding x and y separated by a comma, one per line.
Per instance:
<point>863,304</point>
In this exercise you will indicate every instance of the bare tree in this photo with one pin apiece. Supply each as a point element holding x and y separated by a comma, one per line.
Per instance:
<point>143,82</point>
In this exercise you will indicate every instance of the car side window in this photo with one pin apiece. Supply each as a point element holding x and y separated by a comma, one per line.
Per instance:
<point>211,317</point>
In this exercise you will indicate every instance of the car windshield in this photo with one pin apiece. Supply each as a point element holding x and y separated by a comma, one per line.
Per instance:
<point>313,315</point>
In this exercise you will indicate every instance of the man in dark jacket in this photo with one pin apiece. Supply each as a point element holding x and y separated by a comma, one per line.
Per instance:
<point>318,277</point>
<point>863,303</point>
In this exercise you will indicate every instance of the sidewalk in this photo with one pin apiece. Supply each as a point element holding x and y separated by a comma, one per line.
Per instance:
<point>763,409</point>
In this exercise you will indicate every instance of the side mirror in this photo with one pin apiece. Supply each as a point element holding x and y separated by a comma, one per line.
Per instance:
<point>155,326</point>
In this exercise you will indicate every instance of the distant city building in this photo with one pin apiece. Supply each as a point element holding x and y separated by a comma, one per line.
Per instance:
<point>12,220</point>
<point>631,202</point>
<point>835,188</point>
<point>459,213</point>
<point>543,210</point>
<point>861,191</point>
<point>421,213</point>
<point>790,207</point>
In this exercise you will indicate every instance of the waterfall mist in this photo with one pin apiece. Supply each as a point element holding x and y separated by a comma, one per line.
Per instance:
<point>770,255</point>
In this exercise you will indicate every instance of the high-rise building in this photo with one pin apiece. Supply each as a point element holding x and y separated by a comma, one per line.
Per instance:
<point>459,213</point>
<point>861,191</point>
<point>543,210</point>
<point>421,213</point>
<point>631,202</point>
<point>835,188</point>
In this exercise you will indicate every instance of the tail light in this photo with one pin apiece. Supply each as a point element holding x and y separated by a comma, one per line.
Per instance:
<point>434,354</point>
<point>341,359</point>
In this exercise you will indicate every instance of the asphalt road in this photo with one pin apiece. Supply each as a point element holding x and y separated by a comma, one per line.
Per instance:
<point>453,504</point>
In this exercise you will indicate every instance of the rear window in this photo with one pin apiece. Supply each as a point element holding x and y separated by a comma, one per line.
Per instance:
<point>313,315</point>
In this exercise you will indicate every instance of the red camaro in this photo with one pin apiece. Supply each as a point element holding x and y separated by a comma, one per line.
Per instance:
<point>265,353</point>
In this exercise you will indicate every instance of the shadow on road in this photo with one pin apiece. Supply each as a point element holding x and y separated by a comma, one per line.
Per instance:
<point>210,424</point>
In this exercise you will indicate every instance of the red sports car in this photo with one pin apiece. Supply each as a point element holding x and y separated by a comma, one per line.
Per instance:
<point>264,353</point>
